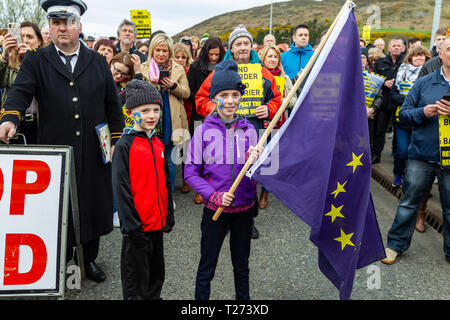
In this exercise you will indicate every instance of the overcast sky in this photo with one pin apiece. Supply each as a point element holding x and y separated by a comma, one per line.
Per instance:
<point>173,16</point>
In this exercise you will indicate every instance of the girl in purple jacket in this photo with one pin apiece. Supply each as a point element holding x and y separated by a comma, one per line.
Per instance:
<point>217,153</point>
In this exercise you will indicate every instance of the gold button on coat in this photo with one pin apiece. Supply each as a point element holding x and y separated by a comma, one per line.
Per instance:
<point>75,99</point>
<point>78,133</point>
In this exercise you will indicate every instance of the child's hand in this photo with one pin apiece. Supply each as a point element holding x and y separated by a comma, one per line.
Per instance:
<point>227,199</point>
<point>255,153</point>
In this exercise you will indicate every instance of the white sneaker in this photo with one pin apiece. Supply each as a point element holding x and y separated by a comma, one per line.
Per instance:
<point>174,206</point>
<point>116,222</point>
<point>391,256</point>
<point>436,180</point>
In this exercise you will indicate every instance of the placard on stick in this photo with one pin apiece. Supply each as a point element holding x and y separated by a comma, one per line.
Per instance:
<point>143,23</point>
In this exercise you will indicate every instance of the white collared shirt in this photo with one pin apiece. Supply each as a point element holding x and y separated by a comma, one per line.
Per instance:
<point>73,63</point>
<point>74,60</point>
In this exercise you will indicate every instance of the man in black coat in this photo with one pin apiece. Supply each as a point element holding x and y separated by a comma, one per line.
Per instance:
<point>75,92</point>
<point>388,68</point>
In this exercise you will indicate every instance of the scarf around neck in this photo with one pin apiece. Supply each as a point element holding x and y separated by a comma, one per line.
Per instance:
<point>276,72</point>
<point>407,73</point>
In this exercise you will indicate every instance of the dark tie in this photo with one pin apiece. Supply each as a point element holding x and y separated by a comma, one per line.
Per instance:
<point>68,59</point>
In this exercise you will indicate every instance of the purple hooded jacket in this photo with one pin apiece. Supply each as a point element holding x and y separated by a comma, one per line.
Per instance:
<point>217,155</point>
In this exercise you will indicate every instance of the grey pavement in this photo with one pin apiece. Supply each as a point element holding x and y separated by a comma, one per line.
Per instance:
<point>384,172</point>
<point>283,261</point>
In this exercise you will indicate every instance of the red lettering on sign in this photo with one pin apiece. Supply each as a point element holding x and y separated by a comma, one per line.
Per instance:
<point>12,247</point>
<point>20,188</point>
<point>1,184</point>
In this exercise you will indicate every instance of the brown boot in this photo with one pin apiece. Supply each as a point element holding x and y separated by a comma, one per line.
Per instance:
<point>420,224</point>
<point>198,199</point>
<point>186,188</point>
<point>263,200</point>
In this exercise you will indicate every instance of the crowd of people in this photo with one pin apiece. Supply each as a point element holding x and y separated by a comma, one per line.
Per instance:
<point>160,99</point>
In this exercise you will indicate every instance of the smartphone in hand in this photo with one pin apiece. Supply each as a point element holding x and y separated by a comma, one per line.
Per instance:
<point>14,31</point>
<point>163,74</point>
<point>446,97</point>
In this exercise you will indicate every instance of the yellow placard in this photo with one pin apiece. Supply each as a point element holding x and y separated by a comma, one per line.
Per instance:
<point>444,130</point>
<point>251,75</point>
<point>280,82</point>
<point>444,139</point>
<point>366,33</point>
<point>129,121</point>
<point>143,23</point>
<point>405,87</point>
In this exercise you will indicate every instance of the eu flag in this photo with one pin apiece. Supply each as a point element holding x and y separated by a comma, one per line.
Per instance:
<point>318,164</point>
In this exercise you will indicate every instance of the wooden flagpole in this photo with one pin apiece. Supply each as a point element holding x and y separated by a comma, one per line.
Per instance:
<point>284,105</point>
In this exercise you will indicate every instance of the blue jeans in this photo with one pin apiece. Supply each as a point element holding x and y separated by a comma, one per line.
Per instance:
<point>172,165</point>
<point>418,181</point>
<point>402,139</point>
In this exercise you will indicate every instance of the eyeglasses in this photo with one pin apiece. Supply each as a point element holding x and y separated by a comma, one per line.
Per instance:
<point>120,73</point>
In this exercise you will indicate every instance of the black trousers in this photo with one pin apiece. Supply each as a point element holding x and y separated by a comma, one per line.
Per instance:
<point>90,251</point>
<point>213,234</point>
<point>381,122</point>
<point>143,269</point>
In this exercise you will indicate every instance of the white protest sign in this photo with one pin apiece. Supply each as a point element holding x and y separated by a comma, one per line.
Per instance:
<point>33,219</point>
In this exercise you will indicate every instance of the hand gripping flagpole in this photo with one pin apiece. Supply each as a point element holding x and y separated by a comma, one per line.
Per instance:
<point>278,115</point>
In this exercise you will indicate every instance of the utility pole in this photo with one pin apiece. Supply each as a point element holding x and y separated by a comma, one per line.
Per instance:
<point>436,20</point>
<point>271,4</point>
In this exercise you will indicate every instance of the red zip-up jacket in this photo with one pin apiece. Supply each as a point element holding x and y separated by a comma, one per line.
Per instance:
<point>141,183</point>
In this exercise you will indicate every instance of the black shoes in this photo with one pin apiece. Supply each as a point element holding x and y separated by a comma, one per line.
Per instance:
<point>94,273</point>
<point>255,232</point>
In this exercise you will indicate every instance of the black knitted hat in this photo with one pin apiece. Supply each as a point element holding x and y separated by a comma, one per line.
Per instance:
<point>226,77</point>
<point>140,92</point>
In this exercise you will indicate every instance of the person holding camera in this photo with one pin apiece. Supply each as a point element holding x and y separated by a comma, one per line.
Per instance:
<point>170,79</point>
<point>14,52</point>
<point>427,100</point>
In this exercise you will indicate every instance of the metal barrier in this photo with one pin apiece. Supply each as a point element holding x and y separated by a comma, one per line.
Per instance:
<point>431,215</point>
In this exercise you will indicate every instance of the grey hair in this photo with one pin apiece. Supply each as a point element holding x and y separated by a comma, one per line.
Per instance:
<point>268,35</point>
<point>126,22</point>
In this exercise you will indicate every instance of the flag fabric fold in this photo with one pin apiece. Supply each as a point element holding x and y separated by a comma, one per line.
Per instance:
<point>318,164</point>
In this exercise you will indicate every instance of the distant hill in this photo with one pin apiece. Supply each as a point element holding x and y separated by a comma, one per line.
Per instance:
<point>400,15</point>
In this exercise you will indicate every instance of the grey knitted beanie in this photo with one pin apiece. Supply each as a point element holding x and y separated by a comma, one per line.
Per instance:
<point>140,92</point>
<point>240,31</point>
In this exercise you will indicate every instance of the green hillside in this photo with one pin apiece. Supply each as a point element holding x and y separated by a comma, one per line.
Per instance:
<point>404,16</point>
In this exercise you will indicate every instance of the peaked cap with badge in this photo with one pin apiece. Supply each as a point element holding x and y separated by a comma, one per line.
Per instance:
<point>63,9</point>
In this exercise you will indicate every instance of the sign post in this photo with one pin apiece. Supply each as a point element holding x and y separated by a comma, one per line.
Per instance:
<point>143,23</point>
<point>34,202</point>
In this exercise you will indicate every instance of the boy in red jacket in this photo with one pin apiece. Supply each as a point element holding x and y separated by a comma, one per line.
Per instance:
<point>141,186</point>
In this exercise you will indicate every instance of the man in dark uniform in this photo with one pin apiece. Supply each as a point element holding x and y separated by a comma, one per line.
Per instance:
<point>75,92</point>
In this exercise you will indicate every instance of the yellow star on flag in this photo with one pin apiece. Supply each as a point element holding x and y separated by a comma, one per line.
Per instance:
<point>340,188</point>
<point>355,162</point>
<point>344,239</point>
<point>335,212</point>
